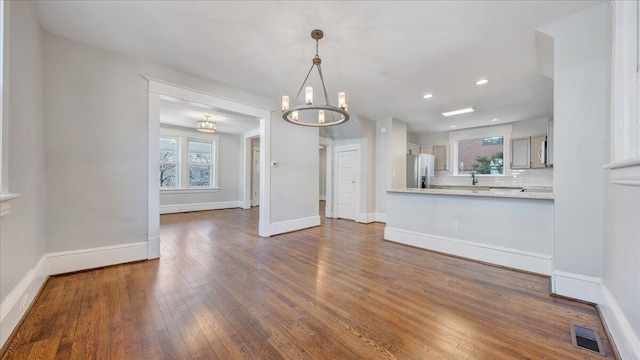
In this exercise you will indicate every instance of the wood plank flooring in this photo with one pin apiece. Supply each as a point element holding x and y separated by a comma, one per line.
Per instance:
<point>332,292</point>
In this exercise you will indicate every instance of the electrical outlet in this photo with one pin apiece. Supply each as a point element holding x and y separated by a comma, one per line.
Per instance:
<point>25,302</point>
<point>454,225</point>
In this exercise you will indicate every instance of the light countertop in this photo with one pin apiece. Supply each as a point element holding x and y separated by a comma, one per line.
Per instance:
<point>483,192</point>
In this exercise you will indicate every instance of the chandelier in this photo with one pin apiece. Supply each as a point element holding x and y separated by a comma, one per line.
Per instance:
<point>310,114</point>
<point>207,125</point>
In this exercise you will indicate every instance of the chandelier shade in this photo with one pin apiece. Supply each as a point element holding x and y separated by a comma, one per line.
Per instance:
<point>308,113</point>
<point>207,125</point>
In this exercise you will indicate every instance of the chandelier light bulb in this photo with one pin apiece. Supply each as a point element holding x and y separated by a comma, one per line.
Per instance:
<point>321,116</point>
<point>308,98</point>
<point>285,103</point>
<point>342,100</point>
<point>294,115</point>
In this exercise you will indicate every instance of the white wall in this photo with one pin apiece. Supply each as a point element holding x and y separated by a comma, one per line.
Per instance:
<point>97,101</point>
<point>398,154</point>
<point>294,183</point>
<point>22,232</point>
<point>383,164</point>
<point>582,83</point>
<point>228,171</point>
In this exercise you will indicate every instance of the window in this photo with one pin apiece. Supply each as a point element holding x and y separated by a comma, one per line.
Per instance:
<point>481,150</point>
<point>200,164</point>
<point>483,155</point>
<point>186,162</point>
<point>168,162</point>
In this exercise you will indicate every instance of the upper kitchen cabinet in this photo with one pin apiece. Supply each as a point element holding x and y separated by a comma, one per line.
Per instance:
<point>440,153</point>
<point>520,153</point>
<point>426,150</point>
<point>413,149</point>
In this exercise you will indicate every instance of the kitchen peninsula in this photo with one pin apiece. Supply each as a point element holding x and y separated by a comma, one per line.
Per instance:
<point>503,226</point>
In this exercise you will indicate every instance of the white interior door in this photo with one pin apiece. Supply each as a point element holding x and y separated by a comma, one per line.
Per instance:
<point>347,174</point>
<point>255,177</point>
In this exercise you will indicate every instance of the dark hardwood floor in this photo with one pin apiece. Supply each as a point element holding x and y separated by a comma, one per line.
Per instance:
<point>332,292</point>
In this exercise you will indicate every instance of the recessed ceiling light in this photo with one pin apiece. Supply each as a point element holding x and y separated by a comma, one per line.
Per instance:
<point>452,126</point>
<point>458,112</point>
<point>482,82</point>
<point>494,120</point>
<point>428,96</point>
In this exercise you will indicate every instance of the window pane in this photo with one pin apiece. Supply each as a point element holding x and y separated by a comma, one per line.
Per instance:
<point>199,159</point>
<point>199,153</point>
<point>199,175</point>
<point>168,175</point>
<point>483,155</point>
<point>168,150</point>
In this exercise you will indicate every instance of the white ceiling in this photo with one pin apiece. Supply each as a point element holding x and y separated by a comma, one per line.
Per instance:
<point>178,112</point>
<point>385,54</point>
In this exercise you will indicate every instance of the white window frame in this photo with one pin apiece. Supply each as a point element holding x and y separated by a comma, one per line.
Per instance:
<point>184,136</point>
<point>178,157</point>
<point>213,167</point>
<point>494,131</point>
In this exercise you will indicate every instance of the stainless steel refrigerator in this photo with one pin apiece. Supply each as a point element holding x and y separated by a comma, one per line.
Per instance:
<point>420,170</point>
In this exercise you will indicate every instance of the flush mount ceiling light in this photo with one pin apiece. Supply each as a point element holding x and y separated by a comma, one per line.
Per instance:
<point>494,120</point>
<point>482,82</point>
<point>310,114</point>
<point>428,96</point>
<point>207,125</point>
<point>458,112</point>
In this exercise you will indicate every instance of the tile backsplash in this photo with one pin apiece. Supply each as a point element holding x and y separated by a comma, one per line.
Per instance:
<point>519,177</point>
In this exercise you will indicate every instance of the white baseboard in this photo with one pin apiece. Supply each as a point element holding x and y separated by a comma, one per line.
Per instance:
<point>626,340</point>
<point>178,208</point>
<point>76,260</point>
<point>380,217</point>
<point>12,308</point>
<point>366,218</point>
<point>323,197</point>
<point>517,259</point>
<point>576,286</point>
<point>295,224</point>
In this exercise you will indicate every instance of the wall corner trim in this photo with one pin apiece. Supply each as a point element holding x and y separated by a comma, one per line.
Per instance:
<point>380,217</point>
<point>366,218</point>
<point>576,286</point>
<point>626,340</point>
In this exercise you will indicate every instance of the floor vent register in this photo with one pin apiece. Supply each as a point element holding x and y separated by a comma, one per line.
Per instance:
<point>586,338</point>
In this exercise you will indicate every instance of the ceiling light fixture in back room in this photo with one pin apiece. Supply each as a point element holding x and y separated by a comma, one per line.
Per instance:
<point>207,125</point>
<point>310,114</point>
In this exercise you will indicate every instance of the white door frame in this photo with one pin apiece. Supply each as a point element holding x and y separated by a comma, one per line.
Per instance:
<point>328,150</point>
<point>254,149</point>
<point>156,89</point>
<point>336,150</point>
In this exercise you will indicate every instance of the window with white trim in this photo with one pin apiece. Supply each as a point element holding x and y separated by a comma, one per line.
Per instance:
<point>187,162</point>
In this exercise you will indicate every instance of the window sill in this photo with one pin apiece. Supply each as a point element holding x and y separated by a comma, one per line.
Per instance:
<point>189,191</point>
<point>4,203</point>
<point>623,163</point>
<point>624,172</point>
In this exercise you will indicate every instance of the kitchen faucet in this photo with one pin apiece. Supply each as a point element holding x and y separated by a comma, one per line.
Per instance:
<point>473,178</point>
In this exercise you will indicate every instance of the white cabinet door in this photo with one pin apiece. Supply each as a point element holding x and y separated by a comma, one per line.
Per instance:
<point>520,156</point>
<point>538,151</point>
<point>413,149</point>
<point>440,154</point>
